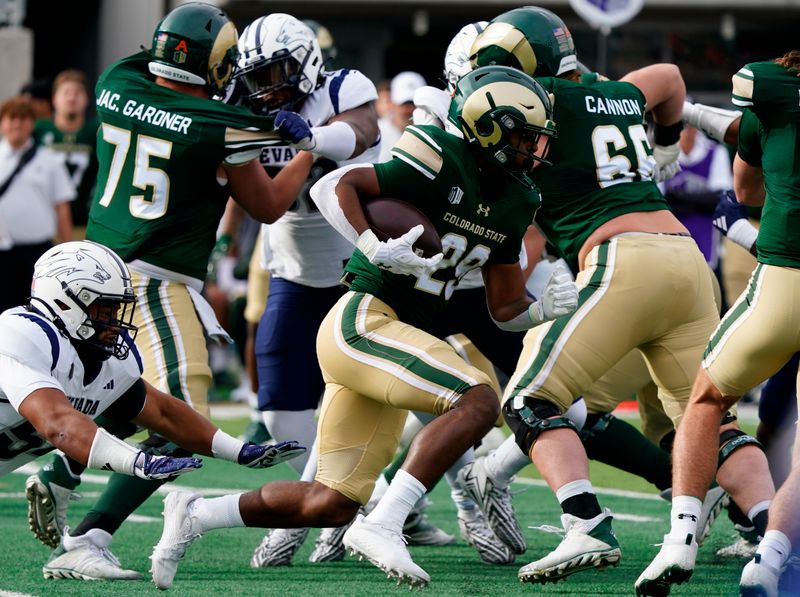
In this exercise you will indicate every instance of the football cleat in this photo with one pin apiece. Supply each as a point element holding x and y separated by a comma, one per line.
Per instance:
<point>47,509</point>
<point>385,549</point>
<point>586,544</point>
<point>180,531</point>
<point>741,548</point>
<point>495,502</point>
<point>673,564</point>
<point>329,546</point>
<point>476,532</point>
<point>418,530</point>
<point>278,547</point>
<point>86,557</point>
<point>716,499</point>
<point>759,579</point>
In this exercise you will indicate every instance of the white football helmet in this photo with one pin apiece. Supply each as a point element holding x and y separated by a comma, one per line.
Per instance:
<point>71,277</point>
<point>456,58</point>
<point>279,62</point>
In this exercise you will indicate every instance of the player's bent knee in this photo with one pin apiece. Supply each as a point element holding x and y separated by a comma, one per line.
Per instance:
<point>326,507</point>
<point>483,403</point>
<point>534,418</point>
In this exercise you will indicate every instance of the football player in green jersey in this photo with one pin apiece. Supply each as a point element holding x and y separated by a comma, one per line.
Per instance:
<point>606,217</point>
<point>75,136</point>
<point>759,333</point>
<point>375,352</point>
<point>169,158</point>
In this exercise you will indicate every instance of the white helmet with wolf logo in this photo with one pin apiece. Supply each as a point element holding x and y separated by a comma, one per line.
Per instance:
<point>70,277</point>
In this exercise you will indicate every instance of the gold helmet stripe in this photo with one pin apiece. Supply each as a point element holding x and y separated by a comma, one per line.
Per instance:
<point>226,38</point>
<point>502,93</point>
<point>512,40</point>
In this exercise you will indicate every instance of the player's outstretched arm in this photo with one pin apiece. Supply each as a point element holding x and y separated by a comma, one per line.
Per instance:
<point>181,424</point>
<point>75,434</point>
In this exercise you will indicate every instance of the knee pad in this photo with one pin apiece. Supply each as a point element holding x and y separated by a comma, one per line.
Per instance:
<point>596,424</point>
<point>533,419</point>
<point>160,446</point>
<point>733,439</point>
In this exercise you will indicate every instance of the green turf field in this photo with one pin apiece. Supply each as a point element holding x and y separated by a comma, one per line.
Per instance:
<point>219,563</point>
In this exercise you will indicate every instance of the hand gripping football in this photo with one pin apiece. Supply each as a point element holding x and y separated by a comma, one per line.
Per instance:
<point>391,218</point>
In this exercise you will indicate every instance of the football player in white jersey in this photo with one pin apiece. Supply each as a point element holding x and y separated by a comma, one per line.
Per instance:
<point>68,357</point>
<point>332,114</point>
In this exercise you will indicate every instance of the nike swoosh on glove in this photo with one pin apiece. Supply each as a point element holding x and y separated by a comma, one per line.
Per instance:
<point>667,165</point>
<point>295,129</point>
<point>264,456</point>
<point>148,466</point>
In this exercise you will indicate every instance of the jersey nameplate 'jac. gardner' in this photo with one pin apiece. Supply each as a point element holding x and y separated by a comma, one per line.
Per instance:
<point>480,220</point>
<point>158,198</point>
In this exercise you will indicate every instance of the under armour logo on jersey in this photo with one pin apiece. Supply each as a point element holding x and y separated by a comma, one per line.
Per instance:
<point>691,516</point>
<point>109,385</point>
<point>455,195</point>
<point>483,209</point>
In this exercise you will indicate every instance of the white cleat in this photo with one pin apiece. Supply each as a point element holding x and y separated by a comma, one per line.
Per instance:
<point>278,547</point>
<point>673,565</point>
<point>716,499</point>
<point>477,533</point>
<point>495,502</point>
<point>329,546</point>
<point>385,549</point>
<point>47,509</point>
<point>741,548</point>
<point>586,544</point>
<point>86,557</point>
<point>759,579</point>
<point>180,531</point>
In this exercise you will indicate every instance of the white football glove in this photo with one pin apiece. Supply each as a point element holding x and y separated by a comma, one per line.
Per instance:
<point>560,297</point>
<point>667,165</point>
<point>397,254</point>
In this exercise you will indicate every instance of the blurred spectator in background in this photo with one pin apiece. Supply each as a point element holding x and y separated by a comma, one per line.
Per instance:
<point>383,105</point>
<point>35,191</point>
<point>39,92</point>
<point>401,108</point>
<point>70,133</point>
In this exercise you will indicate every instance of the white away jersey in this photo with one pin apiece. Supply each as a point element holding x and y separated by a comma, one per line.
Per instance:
<point>35,355</point>
<point>304,248</point>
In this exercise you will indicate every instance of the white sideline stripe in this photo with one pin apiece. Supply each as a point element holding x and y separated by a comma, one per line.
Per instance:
<point>636,495</point>
<point>14,594</point>
<point>636,518</point>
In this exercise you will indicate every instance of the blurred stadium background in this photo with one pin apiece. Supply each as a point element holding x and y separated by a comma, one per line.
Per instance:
<point>708,39</point>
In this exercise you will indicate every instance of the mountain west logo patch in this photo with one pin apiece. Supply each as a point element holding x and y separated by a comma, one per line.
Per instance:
<point>455,195</point>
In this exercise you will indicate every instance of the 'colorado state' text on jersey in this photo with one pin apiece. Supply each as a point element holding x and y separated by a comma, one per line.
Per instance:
<point>304,248</point>
<point>769,138</point>
<point>78,149</point>
<point>479,220</point>
<point>602,161</point>
<point>158,198</point>
<point>35,355</point>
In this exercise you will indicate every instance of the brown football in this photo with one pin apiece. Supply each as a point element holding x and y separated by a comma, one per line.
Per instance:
<point>392,218</point>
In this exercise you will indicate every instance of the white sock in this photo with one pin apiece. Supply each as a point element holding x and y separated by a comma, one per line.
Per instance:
<point>684,516</point>
<point>757,509</point>
<point>505,462</point>
<point>381,485</point>
<point>300,425</point>
<point>775,548</point>
<point>217,513</point>
<point>310,470</point>
<point>572,489</point>
<point>393,508</point>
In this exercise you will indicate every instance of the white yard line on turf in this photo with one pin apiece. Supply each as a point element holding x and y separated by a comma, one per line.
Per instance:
<point>637,495</point>
<point>14,594</point>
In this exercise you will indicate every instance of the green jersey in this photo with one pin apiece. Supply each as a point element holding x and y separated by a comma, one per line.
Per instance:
<point>158,198</point>
<point>602,162</point>
<point>479,220</point>
<point>769,138</point>
<point>78,149</point>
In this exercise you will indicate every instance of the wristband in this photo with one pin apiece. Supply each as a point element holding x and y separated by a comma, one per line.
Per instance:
<point>336,141</point>
<point>110,453</point>
<point>225,446</point>
<point>743,233</point>
<point>524,321</point>
<point>368,243</point>
<point>665,135</point>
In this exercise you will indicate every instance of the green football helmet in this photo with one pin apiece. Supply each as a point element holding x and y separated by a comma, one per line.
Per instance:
<point>531,39</point>
<point>195,44</point>
<point>502,113</point>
